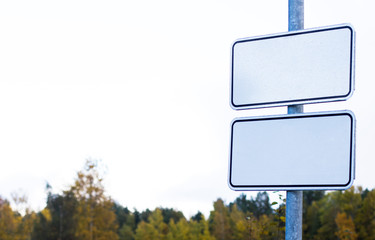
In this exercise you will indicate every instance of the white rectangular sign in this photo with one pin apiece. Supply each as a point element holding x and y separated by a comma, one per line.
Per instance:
<point>293,152</point>
<point>300,67</point>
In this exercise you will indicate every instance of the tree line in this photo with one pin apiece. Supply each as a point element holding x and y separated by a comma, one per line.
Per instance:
<point>84,212</point>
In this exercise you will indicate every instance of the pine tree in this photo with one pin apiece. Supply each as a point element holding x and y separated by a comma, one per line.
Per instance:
<point>366,217</point>
<point>220,222</point>
<point>199,229</point>
<point>9,221</point>
<point>239,224</point>
<point>94,215</point>
<point>345,226</point>
<point>154,229</point>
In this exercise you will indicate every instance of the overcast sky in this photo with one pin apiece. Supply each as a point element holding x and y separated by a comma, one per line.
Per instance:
<point>144,87</point>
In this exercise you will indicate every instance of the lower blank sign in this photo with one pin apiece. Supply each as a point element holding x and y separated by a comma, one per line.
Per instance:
<point>293,152</point>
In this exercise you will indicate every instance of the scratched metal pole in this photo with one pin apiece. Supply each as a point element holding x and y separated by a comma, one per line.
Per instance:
<point>293,228</point>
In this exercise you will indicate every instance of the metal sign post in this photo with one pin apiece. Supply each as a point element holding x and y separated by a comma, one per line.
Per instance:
<point>297,151</point>
<point>294,199</point>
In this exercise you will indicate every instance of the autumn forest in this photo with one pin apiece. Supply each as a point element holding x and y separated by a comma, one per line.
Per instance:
<point>85,212</point>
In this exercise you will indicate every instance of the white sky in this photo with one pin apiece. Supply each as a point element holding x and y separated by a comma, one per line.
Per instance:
<point>144,86</point>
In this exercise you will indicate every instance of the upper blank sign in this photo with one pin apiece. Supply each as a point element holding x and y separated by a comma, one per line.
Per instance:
<point>308,66</point>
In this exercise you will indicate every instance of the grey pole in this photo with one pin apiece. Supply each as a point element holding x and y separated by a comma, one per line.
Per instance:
<point>296,15</point>
<point>293,228</point>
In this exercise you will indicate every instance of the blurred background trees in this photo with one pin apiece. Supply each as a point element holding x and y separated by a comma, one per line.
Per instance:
<point>85,212</point>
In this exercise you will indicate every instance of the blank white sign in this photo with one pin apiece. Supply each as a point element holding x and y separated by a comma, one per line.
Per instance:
<point>291,152</point>
<point>298,67</point>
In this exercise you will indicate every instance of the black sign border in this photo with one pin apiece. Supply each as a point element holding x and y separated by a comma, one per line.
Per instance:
<point>299,101</point>
<point>302,186</point>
